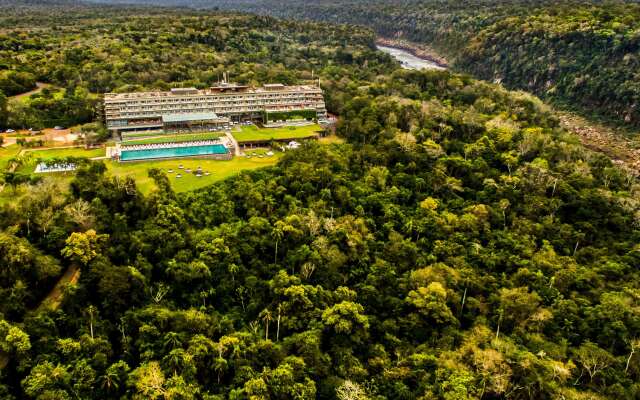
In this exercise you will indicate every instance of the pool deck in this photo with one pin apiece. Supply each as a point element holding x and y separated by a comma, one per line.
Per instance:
<point>115,152</point>
<point>225,157</point>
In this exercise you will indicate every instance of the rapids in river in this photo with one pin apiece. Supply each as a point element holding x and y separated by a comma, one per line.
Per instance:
<point>408,60</point>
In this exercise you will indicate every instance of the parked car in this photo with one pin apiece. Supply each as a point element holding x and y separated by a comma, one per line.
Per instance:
<point>10,131</point>
<point>58,128</point>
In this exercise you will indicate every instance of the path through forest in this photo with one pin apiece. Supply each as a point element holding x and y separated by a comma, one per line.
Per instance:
<point>39,87</point>
<point>52,300</point>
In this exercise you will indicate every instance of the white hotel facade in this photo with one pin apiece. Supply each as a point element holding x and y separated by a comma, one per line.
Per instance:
<point>189,108</point>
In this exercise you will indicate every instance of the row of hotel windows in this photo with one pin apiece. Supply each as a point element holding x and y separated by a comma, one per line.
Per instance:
<point>317,96</point>
<point>281,101</point>
<point>219,101</point>
<point>206,106</point>
<point>152,114</point>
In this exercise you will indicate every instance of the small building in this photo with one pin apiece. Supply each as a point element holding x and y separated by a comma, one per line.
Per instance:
<point>44,167</point>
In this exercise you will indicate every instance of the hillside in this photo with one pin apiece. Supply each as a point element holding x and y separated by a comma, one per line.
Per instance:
<point>460,243</point>
<point>584,55</point>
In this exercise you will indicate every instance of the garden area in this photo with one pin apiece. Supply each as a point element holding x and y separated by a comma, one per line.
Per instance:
<point>252,133</point>
<point>217,169</point>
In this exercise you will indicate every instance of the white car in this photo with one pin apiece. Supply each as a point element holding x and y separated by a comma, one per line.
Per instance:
<point>10,131</point>
<point>58,128</point>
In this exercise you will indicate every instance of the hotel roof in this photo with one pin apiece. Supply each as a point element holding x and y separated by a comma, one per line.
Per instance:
<point>229,88</point>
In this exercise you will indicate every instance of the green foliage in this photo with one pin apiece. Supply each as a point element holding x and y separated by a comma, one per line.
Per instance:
<point>4,112</point>
<point>459,245</point>
<point>96,50</point>
<point>24,274</point>
<point>583,54</point>
<point>14,82</point>
<point>13,339</point>
<point>83,247</point>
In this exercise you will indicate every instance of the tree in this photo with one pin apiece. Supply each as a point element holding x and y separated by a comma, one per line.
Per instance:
<point>47,381</point>
<point>277,234</point>
<point>593,359</point>
<point>84,247</point>
<point>80,212</point>
<point>13,339</point>
<point>351,391</point>
<point>634,344</point>
<point>14,179</point>
<point>266,317</point>
<point>149,381</point>
<point>114,376</point>
<point>431,303</point>
<point>91,311</point>
<point>4,111</point>
<point>346,318</point>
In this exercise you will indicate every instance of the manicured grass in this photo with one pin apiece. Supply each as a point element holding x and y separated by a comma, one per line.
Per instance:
<point>219,170</point>
<point>175,138</point>
<point>142,135</point>
<point>250,133</point>
<point>6,153</point>
<point>48,154</point>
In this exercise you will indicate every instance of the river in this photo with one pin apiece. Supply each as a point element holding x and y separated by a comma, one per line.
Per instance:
<point>408,60</point>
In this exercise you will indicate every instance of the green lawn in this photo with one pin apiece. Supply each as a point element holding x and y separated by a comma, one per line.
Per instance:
<point>219,170</point>
<point>48,154</point>
<point>6,153</point>
<point>139,135</point>
<point>175,138</point>
<point>139,171</point>
<point>249,133</point>
<point>58,93</point>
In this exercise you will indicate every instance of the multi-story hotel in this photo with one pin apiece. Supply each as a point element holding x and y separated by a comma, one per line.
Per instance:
<point>189,108</point>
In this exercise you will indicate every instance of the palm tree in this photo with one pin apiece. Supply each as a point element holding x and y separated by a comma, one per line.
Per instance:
<point>91,310</point>
<point>409,227</point>
<point>278,328</point>
<point>172,340</point>
<point>266,317</point>
<point>277,234</point>
<point>110,380</point>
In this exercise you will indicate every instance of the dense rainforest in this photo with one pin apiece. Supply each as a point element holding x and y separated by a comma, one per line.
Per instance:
<point>584,55</point>
<point>459,245</point>
<point>152,49</point>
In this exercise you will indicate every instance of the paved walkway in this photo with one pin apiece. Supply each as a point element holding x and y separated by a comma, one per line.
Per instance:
<point>234,141</point>
<point>39,87</point>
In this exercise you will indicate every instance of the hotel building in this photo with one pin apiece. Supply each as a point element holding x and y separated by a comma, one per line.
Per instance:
<point>192,109</point>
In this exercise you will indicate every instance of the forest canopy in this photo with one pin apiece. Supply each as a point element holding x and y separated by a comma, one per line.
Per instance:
<point>458,245</point>
<point>584,55</point>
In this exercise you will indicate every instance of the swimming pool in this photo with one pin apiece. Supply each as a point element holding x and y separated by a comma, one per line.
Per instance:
<point>172,152</point>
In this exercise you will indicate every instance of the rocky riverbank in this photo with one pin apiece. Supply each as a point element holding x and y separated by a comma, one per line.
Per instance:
<point>417,49</point>
<point>623,150</point>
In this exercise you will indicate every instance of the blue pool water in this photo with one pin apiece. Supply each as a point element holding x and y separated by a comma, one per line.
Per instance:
<point>128,155</point>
